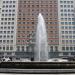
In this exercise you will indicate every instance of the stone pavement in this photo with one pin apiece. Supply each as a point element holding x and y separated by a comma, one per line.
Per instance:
<point>37,71</point>
<point>35,74</point>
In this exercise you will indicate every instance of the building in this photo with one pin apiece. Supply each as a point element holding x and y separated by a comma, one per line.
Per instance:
<point>8,23</point>
<point>66,27</point>
<point>18,22</point>
<point>28,11</point>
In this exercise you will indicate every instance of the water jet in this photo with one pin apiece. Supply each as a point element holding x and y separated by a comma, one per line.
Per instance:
<point>41,47</point>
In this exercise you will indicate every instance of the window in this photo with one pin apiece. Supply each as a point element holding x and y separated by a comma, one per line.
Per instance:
<point>61,5</point>
<point>51,48</point>
<point>11,41</point>
<point>10,1</point>
<point>71,48</point>
<point>11,36</point>
<point>62,23</point>
<point>3,48</point>
<point>4,41</point>
<point>12,22</point>
<point>67,48</point>
<point>10,6</point>
<point>7,1</point>
<point>7,48</point>
<point>14,1</point>
<point>11,48</point>
<point>73,23</point>
<point>4,31</point>
<point>22,48</point>
<point>8,36</point>
<point>18,48</point>
<point>61,1</point>
<point>63,48</point>
<point>56,48</point>
<point>3,1</point>
<point>7,41</point>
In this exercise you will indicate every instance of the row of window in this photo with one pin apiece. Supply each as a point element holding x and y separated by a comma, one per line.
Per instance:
<point>68,41</point>
<point>53,41</point>
<point>25,41</point>
<point>37,1</point>
<point>54,48</point>
<point>67,53</point>
<point>27,49</point>
<point>6,36</point>
<point>10,14</point>
<point>68,19</point>
<point>8,32</point>
<point>68,48</point>
<point>68,37</point>
<point>68,6</point>
<point>38,5</point>
<point>27,31</point>
<point>68,32</point>
<point>9,1</point>
<point>10,10</point>
<point>67,27</point>
<point>68,23</point>
<point>63,14</point>
<point>6,48</point>
<point>67,10</point>
<point>33,22</point>
<point>32,40</point>
<point>7,19</point>
<point>32,14</point>
<point>6,41</point>
<point>31,18</point>
<point>7,23</point>
<point>67,2</point>
<point>6,27</point>
<point>6,6</point>
<point>25,22</point>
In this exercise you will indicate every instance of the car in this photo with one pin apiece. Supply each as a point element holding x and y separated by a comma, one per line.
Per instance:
<point>57,60</point>
<point>6,59</point>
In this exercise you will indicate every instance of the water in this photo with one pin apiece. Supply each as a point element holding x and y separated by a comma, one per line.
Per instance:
<point>41,51</point>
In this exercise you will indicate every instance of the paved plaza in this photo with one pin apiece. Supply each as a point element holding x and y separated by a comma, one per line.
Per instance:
<point>36,74</point>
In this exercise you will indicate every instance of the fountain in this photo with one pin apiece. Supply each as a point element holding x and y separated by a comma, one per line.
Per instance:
<point>41,48</point>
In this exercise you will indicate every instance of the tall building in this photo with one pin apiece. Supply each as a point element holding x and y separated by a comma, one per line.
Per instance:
<point>18,22</point>
<point>66,27</point>
<point>8,23</point>
<point>28,11</point>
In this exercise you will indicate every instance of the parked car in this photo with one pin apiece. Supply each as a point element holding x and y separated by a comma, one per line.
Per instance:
<point>6,59</point>
<point>57,60</point>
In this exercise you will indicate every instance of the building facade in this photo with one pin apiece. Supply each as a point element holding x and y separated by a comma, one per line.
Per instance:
<point>66,27</point>
<point>28,11</point>
<point>8,23</point>
<point>18,22</point>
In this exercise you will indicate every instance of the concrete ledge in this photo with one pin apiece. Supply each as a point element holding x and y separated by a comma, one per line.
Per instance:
<point>38,65</point>
<point>38,71</point>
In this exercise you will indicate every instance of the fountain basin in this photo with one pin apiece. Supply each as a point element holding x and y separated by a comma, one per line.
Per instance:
<point>38,65</point>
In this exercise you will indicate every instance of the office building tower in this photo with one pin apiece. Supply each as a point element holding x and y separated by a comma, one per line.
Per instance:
<point>8,23</point>
<point>28,11</point>
<point>66,27</point>
<point>18,22</point>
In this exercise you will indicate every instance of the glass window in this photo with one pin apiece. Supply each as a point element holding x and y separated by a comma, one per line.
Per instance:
<point>63,48</point>
<point>11,48</point>
<point>71,48</point>
<point>67,48</point>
